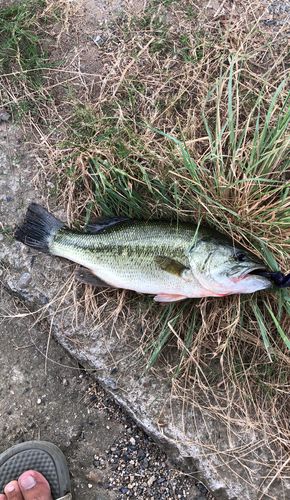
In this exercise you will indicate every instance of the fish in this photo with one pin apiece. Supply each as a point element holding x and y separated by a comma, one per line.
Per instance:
<point>171,261</point>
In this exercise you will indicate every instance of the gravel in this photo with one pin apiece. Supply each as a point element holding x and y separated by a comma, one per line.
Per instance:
<point>137,467</point>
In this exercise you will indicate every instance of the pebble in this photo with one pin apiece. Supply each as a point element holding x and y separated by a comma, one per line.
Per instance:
<point>151,480</point>
<point>141,454</point>
<point>4,116</point>
<point>24,280</point>
<point>97,39</point>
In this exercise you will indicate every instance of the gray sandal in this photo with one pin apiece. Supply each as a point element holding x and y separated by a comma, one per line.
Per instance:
<point>41,456</point>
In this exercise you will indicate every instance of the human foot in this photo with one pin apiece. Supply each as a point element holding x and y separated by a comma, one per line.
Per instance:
<point>31,485</point>
<point>34,470</point>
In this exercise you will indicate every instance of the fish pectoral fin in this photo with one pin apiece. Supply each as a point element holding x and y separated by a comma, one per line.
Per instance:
<point>172,266</point>
<point>103,223</point>
<point>167,297</point>
<point>86,276</point>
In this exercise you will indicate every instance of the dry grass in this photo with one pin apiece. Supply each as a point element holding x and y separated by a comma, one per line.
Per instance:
<point>187,117</point>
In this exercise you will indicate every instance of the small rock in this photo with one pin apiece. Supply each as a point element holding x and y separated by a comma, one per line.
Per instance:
<point>133,441</point>
<point>95,476</point>
<point>202,488</point>
<point>151,480</point>
<point>98,40</point>
<point>24,280</point>
<point>4,116</point>
<point>161,480</point>
<point>39,401</point>
<point>112,384</point>
<point>141,454</point>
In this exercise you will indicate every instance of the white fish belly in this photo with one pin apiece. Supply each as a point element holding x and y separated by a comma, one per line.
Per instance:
<point>159,283</point>
<point>141,277</point>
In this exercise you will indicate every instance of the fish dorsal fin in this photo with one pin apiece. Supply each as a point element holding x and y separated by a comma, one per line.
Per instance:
<point>172,266</point>
<point>86,276</point>
<point>103,223</point>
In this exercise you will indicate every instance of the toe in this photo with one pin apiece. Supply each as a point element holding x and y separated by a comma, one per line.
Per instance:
<point>34,486</point>
<point>12,491</point>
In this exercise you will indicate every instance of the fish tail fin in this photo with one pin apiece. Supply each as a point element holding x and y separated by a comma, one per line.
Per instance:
<point>38,228</point>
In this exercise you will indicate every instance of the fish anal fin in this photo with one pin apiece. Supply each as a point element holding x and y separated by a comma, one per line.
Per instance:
<point>86,276</point>
<point>172,266</point>
<point>103,223</point>
<point>167,297</point>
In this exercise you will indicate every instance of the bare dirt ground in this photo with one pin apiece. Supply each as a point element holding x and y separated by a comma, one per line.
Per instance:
<point>56,400</point>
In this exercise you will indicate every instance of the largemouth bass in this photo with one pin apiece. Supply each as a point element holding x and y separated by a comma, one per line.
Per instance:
<point>170,261</point>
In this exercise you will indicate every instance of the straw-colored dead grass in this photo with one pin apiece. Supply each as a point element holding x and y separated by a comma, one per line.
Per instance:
<point>187,117</point>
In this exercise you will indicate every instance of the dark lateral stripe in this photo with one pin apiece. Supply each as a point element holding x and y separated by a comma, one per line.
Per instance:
<point>86,246</point>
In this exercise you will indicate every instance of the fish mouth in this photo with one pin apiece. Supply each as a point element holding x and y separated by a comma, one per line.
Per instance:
<point>257,270</point>
<point>277,278</point>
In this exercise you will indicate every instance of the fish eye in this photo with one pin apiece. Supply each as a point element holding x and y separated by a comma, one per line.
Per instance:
<point>240,256</point>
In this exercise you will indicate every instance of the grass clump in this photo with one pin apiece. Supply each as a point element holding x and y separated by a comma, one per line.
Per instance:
<point>196,132</point>
<point>20,48</point>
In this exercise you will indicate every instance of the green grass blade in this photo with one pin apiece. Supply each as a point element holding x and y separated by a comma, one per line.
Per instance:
<point>262,327</point>
<point>279,329</point>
